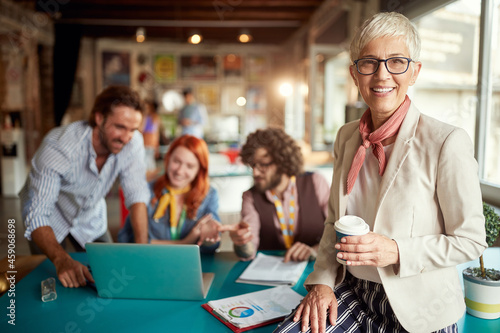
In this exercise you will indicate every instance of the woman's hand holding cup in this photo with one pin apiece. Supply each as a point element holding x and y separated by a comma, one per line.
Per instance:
<point>357,246</point>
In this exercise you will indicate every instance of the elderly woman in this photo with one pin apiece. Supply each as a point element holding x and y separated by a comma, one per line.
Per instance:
<point>414,180</point>
<point>184,206</point>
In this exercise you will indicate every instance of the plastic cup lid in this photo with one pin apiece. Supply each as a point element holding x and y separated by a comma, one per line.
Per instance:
<point>352,225</point>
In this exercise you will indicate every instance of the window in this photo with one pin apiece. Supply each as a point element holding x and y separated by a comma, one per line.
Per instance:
<point>491,172</point>
<point>329,91</point>
<point>448,87</point>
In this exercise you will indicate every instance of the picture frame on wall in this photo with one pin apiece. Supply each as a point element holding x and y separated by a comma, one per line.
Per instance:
<point>256,99</point>
<point>115,68</point>
<point>257,68</point>
<point>199,67</point>
<point>209,95</point>
<point>165,68</point>
<point>232,66</point>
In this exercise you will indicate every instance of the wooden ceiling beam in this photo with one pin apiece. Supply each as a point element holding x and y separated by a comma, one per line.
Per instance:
<point>196,3</point>
<point>273,20</point>
<point>193,15</point>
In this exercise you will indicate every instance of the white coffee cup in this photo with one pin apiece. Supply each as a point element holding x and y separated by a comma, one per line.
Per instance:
<point>350,225</point>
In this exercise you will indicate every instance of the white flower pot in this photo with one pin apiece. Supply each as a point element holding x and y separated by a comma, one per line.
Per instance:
<point>482,297</point>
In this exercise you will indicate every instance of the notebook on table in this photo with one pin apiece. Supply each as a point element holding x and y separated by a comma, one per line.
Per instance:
<point>147,271</point>
<point>270,270</point>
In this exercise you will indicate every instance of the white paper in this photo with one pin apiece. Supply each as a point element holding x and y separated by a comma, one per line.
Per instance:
<point>272,271</point>
<point>257,307</point>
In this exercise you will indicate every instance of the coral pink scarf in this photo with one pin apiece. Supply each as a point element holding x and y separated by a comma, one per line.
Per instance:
<point>374,139</point>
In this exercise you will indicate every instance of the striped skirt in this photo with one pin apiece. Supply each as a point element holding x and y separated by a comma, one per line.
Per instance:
<point>362,307</point>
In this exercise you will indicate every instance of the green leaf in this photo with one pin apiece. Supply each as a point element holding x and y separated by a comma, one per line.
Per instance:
<point>492,224</point>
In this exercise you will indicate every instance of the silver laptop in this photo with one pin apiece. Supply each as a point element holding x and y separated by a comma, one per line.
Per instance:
<point>147,271</point>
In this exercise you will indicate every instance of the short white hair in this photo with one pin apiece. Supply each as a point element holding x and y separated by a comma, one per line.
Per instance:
<point>386,24</point>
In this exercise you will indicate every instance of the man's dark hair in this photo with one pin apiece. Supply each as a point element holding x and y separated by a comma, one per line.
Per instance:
<point>153,104</point>
<point>285,152</point>
<point>187,91</point>
<point>115,96</point>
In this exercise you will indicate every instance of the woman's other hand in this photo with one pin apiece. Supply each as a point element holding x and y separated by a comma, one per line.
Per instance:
<point>314,308</point>
<point>205,231</point>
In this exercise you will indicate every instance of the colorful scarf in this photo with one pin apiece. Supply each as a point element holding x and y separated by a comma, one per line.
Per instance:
<point>374,139</point>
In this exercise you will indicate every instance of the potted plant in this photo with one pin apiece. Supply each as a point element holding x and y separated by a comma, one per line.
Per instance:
<point>482,285</point>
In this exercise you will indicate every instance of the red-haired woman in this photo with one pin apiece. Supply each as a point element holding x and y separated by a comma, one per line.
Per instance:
<point>183,208</point>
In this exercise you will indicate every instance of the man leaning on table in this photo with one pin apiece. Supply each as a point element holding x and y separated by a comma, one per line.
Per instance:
<point>63,199</point>
<point>286,208</point>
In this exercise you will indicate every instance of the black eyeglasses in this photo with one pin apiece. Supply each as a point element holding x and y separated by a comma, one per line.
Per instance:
<point>394,65</point>
<point>262,167</point>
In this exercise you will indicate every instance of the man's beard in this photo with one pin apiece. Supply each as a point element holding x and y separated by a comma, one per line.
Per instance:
<point>104,139</point>
<point>105,142</point>
<point>274,181</point>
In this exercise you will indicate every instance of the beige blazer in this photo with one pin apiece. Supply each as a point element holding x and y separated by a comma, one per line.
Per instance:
<point>430,203</point>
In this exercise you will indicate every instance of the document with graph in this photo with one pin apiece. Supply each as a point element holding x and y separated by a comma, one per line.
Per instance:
<point>248,311</point>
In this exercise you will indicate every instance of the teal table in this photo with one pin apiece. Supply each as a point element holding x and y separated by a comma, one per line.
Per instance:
<point>80,310</point>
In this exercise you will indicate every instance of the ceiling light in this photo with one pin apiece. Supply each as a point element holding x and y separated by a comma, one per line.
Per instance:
<point>195,38</point>
<point>140,35</point>
<point>241,101</point>
<point>244,36</point>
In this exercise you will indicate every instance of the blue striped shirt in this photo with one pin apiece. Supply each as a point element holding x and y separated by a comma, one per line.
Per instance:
<point>65,190</point>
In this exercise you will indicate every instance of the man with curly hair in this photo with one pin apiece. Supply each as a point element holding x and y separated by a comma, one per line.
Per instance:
<point>286,208</point>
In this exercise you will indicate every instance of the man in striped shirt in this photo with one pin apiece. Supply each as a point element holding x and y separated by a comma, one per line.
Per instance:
<point>63,199</point>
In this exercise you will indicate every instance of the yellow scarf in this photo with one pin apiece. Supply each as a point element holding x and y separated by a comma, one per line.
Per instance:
<point>168,199</point>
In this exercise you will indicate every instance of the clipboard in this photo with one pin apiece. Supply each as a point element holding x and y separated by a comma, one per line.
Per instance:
<point>239,329</point>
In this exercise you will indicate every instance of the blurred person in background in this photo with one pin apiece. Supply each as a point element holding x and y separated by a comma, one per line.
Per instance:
<point>151,134</point>
<point>192,116</point>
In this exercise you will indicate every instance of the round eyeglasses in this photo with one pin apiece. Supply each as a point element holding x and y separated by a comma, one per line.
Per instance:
<point>394,65</point>
<point>262,167</point>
